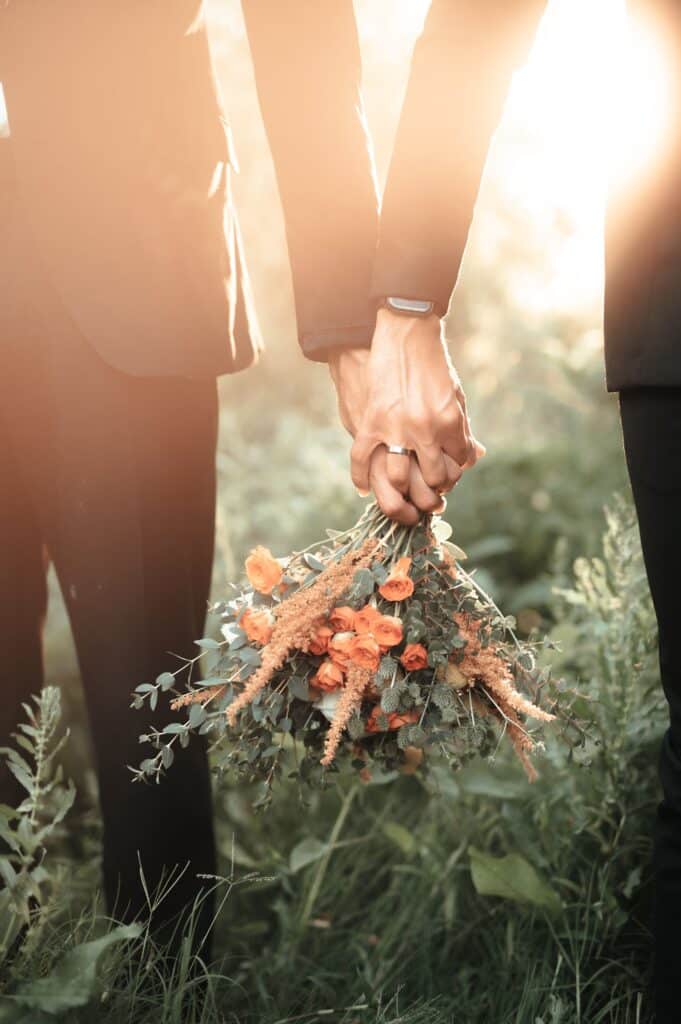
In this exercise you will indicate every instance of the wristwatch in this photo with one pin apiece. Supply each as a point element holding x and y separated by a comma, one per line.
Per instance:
<point>408,307</point>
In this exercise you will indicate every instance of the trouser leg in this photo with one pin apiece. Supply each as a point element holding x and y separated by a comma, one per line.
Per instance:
<point>23,602</point>
<point>122,473</point>
<point>651,421</point>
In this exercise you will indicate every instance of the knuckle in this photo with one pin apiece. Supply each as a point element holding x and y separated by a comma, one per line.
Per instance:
<point>392,507</point>
<point>430,502</point>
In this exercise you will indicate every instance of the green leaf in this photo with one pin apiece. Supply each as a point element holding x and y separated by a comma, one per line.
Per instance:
<point>362,585</point>
<point>72,982</point>
<point>513,878</point>
<point>307,851</point>
<point>298,687</point>
<point>207,644</point>
<point>313,563</point>
<point>197,715</point>
<point>482,779</point>
<point>400,835</point>
<point>249,656</point>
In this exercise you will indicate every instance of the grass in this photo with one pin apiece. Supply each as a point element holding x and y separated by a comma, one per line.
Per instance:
<point>362,908</point>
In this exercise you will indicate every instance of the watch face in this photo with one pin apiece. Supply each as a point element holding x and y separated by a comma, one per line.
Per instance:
<point>414,307</point>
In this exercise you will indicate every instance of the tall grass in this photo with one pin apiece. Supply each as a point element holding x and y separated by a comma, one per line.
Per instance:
<point>364,907</point>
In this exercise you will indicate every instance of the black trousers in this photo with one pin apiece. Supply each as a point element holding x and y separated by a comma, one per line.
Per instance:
<point>651,422</point>
<point>112,478</point>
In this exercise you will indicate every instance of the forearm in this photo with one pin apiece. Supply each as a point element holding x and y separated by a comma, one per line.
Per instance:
<point>459,79</point>
<point>308,69</point>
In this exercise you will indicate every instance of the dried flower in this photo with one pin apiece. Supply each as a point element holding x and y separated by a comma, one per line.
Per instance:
<point>300,616</point>
<point>350,701</point>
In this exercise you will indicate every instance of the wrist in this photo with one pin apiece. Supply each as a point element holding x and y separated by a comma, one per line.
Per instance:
<point>396,330</point>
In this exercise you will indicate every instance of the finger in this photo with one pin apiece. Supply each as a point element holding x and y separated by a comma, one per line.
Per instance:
<point>389,499</point>
<point>420,494</point>
<point>456,443</point>
<point>454,472</point>
<point>360,461</point>
<point>432,465</point>
<point>398,471</point>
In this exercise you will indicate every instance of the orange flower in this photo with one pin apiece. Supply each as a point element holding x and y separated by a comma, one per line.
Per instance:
<point>263,570</point>
<point>329,676</point>
<point>339,648</point>
<point>371,724</point>
<point>365,652</point>
<point>319,643</point>
<point>257,624</point>
<point>342,619</point>
<point>365,618</point>
<point>414,657</point>
<point>395,720</point>
<point>388,630</point>
<point>398,585</point>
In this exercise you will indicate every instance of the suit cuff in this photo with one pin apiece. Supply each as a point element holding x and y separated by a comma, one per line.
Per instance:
<point>410,271</point>
<point>317,345</point>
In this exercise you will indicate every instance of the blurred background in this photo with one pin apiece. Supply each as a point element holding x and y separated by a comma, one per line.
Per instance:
<point>525,331</point>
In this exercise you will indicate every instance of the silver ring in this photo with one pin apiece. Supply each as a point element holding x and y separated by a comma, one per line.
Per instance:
<point>397,449</point>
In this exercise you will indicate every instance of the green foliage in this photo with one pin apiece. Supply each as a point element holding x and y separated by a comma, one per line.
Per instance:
<point>27,829</point>
<point>513,878</point>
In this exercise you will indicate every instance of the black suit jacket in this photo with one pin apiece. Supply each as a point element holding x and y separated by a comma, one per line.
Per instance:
<point>460,74</point>
<point>123,158</point>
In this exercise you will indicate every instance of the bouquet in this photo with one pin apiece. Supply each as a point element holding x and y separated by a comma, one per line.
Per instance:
<point>371,651</point>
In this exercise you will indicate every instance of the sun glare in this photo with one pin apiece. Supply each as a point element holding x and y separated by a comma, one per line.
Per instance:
<point>601,79</point>
<point>589,112</point>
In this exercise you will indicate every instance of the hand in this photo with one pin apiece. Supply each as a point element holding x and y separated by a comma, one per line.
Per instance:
<point>405,391</point>
<point>348,369</point>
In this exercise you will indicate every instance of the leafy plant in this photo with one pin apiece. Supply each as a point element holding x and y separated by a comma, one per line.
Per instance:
<point>27,829</point>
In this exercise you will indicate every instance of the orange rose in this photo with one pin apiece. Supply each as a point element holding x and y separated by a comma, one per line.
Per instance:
<point>342,619</point>
<point>365,618</point>
<point>263,570</point>
<point>414,657</point>
<point>319,643</point>
<point>257,625</point>
<point>398,585</point>
<point>329,676</point>
<point>395,720</point>
<point>339,648</point>
<point>371,724</point>
<point>388,630</point>
<point>365,652</point>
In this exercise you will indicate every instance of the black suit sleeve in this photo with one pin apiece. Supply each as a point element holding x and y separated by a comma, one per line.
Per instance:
<point>308,69</point>
<point>460,74</point>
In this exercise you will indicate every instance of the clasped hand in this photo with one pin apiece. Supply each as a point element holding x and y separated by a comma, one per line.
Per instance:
<point>404,391</point>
